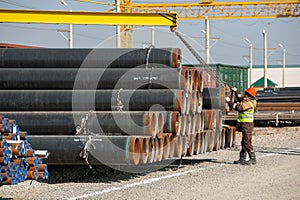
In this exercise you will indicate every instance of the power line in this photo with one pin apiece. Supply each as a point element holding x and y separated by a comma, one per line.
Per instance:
<point>50,29</point>
<point>10,2</point>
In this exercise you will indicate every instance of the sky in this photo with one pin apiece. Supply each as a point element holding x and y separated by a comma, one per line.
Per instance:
<point>231,48</point>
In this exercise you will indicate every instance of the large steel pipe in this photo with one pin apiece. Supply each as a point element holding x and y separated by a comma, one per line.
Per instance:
<point>193,79</point>
<point>111,150</point>
<point>85,100</point>
<point>90,58</point>
<point>191,145</point>
<point>166,147</point>
<point>58,79</point>
<point>214,98</point>
<point>197,147</point>
<point>173,123</point>
<point>209,119</point>
<point>144,150</point>
<point>65,123</point>
<point>172,145</point>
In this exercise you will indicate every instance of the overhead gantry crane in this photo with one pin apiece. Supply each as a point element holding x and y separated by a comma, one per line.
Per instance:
<point>221,10</point>
<point>208,9</point>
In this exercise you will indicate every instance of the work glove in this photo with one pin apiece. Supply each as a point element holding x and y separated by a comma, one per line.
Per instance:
<point>234,89</point>
<point>229,102</point>
<point>227,99</point>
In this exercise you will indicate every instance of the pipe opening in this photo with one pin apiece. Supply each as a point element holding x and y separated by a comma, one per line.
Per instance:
<point>197,143</point>
<point>183,125</point>
<point>193,124</point>
<point>166,147</point>
<point>155,150</point>
<point>194,103</point>
<point>176,123</point>
<point>160,124</point>
<point>176,57</point>
<point>151,124</point>
<point>134,151</point>
<point>199,101</point>
<point>188,125</point>
<point>144,150</point>
<point>188,104</point>
<point>172,145</point>
<point>178,146</point>
<point>191,145</point>
<point>160,149</point>
<point>180,101</point>
<point>151,149</point>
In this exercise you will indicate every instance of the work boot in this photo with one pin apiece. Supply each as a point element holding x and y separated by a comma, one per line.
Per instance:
<point>252,157</point>
<point>242,160</point>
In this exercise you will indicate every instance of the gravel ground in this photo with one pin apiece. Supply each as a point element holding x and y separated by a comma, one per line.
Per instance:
<point>210,176</point>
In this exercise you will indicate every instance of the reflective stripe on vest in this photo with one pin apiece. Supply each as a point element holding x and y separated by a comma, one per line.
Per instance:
<point>247,116</point>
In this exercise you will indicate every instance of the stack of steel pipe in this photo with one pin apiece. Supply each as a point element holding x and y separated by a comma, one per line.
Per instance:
<point>228,136</point>
<point>190,134</point>
<point>18,161</point>
<point>278,99</point>
<point>133,99</point>
<point>213,106</point>
<point>110,106</point>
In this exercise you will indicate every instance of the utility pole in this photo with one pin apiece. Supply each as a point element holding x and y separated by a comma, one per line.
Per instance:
<point>207,38</point>
<point>118,28</point>
<point>152,37</point>
<point>70,25</point>
<point>250,61</point>
<point>265,59</point>
<point>283,65</point>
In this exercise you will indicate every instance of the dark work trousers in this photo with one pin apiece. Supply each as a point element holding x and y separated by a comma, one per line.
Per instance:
<point>246,128</point>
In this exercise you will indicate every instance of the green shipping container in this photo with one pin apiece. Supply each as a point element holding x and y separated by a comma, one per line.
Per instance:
<point>234,76</point>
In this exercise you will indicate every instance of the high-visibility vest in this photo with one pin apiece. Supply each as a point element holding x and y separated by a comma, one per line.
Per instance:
<point>247,116</point>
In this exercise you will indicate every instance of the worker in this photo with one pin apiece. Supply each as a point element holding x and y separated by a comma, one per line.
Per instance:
<point>245,105</point>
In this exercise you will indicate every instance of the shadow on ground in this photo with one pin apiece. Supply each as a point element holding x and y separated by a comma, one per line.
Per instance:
<point>105,174</point>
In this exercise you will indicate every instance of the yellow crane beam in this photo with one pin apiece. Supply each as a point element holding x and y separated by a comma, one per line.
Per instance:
<point>217,10</point>
<point>76,17</point>
<point>224,10</point>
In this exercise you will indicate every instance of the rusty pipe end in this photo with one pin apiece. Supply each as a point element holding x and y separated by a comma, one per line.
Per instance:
<point>196,80</point>
<point>175,123</point>
<point>188,104</point>
<point>166,147</point>
<point>144,150</point>
<point>180,100</point>
<point>193,124</point>
<point>160,148</point>
<point>176,57</point>
<point>151,149</point>
<point>151,124</point>
<point>134,150</point>
<point>155,150</point>
<point>193,103</point>
<point>191,145</point>
<point>160,124</point>
<point>171,144</point>
<point>197,143</point>
<point>199,101</point>
<point>188,125</point>
<point>183,125</point>
<point>178,141</point>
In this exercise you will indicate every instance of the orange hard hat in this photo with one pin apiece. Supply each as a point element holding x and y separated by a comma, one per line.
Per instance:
<point>251,92</point>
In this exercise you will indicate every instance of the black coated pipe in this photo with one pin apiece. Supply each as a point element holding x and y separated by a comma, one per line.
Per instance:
<point>85,100</point>
<point>89,58</point>
<point>55,78</point>
<point>64,150</point>
<point>214,98</point>
<point>65,123</point>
